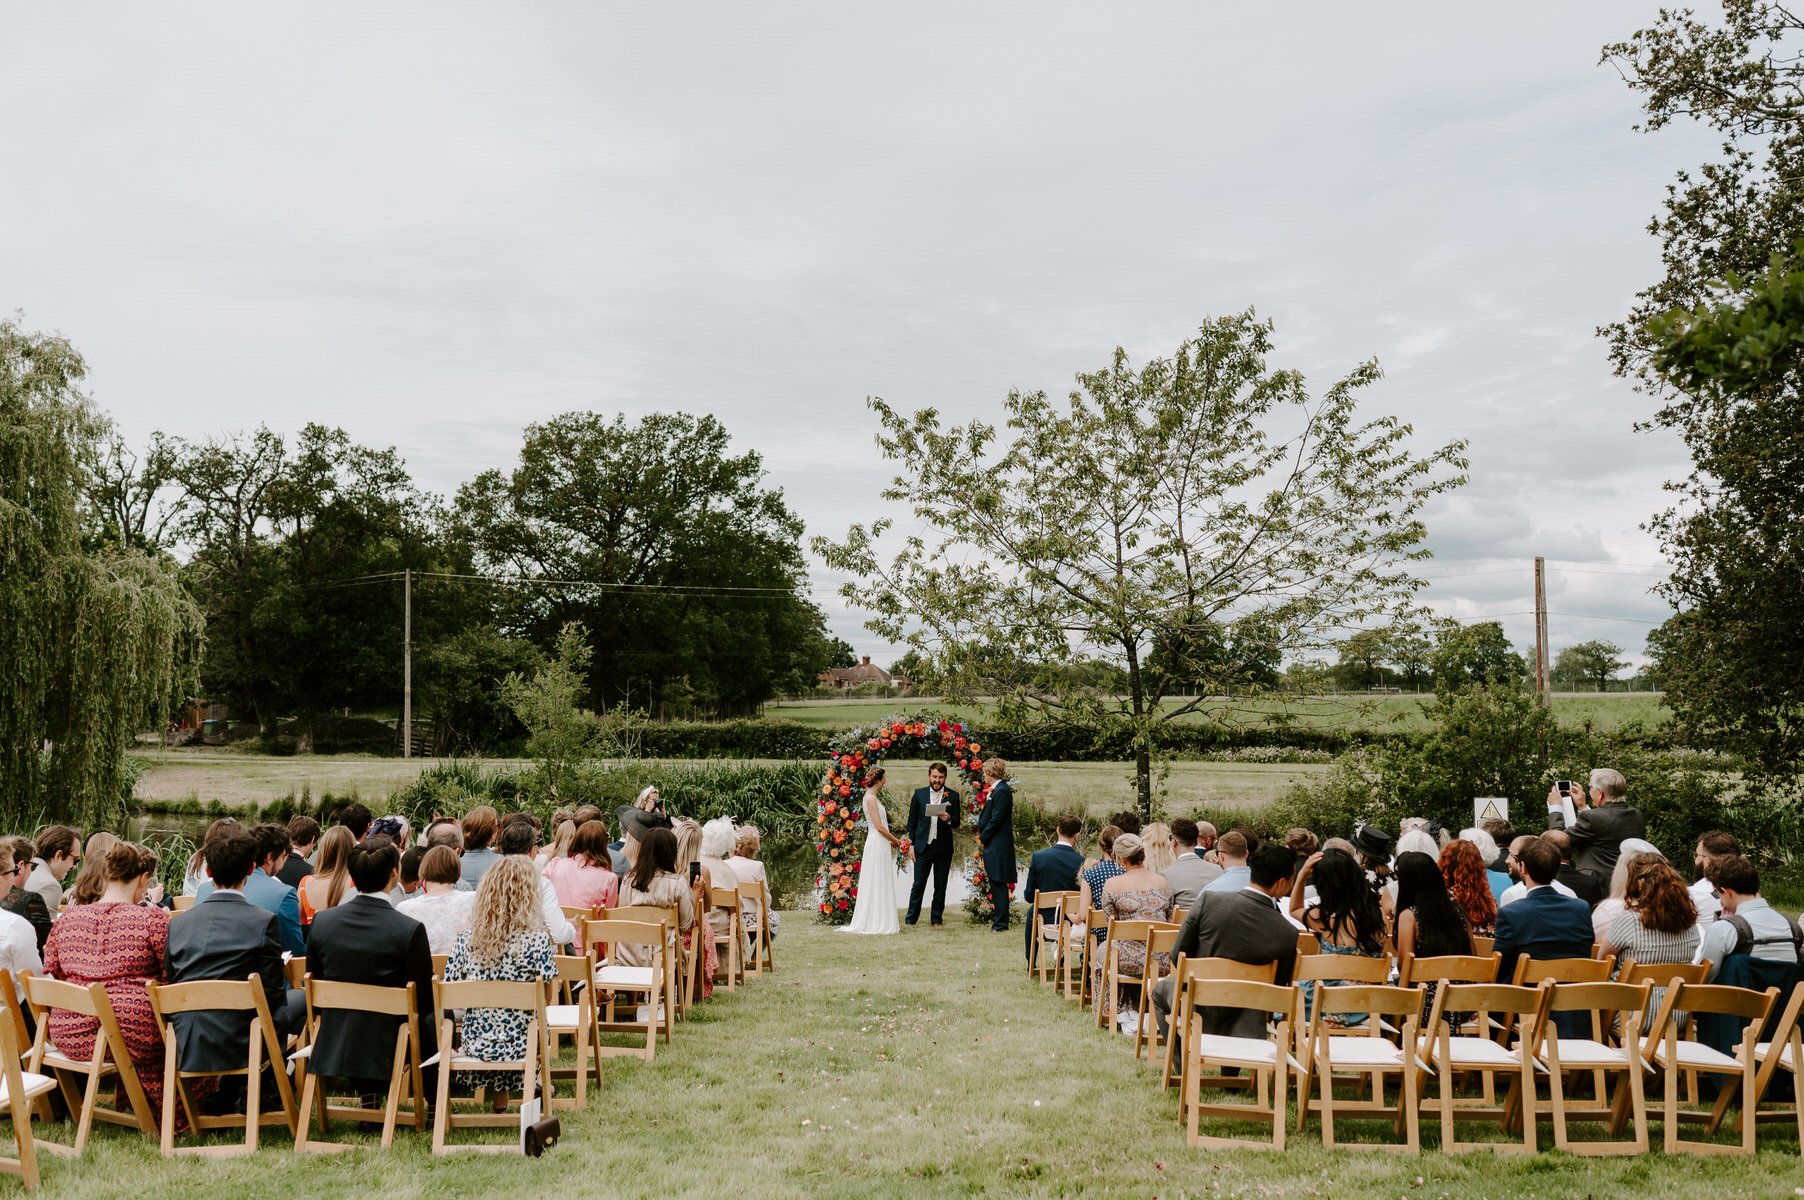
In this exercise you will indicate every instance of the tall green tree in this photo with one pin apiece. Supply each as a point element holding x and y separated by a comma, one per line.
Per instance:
<point>669,548</point>
<point>1466,655</point>
<point>1594,663</point>
<point>1715,342</point>
<point>96,641</point>
<point>1203,487</point>
<point>1363,657</point>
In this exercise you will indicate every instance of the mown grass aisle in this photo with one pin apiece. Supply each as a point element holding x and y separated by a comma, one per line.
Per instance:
<point>923,1064</point>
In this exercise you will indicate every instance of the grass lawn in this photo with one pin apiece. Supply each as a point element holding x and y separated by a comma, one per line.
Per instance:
<point>1096,788</point>
<point>1398,712</point>
<point>924,1064</point>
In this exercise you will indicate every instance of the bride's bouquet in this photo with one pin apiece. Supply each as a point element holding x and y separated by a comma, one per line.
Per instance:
<point>904,848</point>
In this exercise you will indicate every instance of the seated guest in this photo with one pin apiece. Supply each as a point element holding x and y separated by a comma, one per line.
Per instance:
<point>90,880</point>
<point>441,906</point>
<point>1502,833</point>
<point>120,942</point>
<point>644,813</point>
<point>584,814</point>
<point>1487,850</point>
<point>1137,894</point>
<point>1372,847</point>
<point>445,831</point>
<point>1245,926</point>
<point>1231,851</point>
<point>1418,841</point>
<point>1127,820</point>
<point>716,850</point>
<point>303,838</point>
<point>1205,841</point>
<point>364,940</point>
<point>564,832</point>
<point>224,936</point>
<point>1612,906</point>
<point>480,827</point>
<point>1053,869</point>
<point>1659,923</point>
<point>1342,912</point>
<point>1711,849</point>
<point>506,941</point>
<point>58,848</point>
<point>746,843</point>
<point>1429,923</point>
<point>706,957</point>
<point>19,852</point>
<point>1159,853</point>
<point>1302,842</point>
<point>1518,883</point>
<point>584,878</point>
<point>410,874</point>
<point>520,839</point>
<point>1091,879</point>
<point>654,881</point>
<point>356,818</point>
<point>1749,925</point>
<point>196,872</point>
<point>1588,888</point>
<point>330,884</point>
<point>1543,924</point>
<point>19,949</point>
<point>263,889</point>
<point>1463,869</point>
<point>1189,872</point>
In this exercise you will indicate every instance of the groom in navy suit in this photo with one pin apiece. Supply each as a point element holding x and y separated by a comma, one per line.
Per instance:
<point>932,835</point>
<point>996,839</point>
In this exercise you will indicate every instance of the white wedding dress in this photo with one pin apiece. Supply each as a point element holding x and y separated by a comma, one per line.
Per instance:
<point>875,910</point>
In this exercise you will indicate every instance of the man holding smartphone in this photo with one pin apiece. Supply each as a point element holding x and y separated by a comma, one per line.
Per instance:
<point>932,828</point>
<point>1603,820</point>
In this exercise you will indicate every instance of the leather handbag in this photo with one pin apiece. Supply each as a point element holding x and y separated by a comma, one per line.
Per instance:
<point>542,1136</point>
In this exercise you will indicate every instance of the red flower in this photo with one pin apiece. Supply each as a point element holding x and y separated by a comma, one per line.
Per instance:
<point>845,791</point>
<point>843,906</point>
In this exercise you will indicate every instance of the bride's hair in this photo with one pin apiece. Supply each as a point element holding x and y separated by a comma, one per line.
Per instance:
<point>874,778</point>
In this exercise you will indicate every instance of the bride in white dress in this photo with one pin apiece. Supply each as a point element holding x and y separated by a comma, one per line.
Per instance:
<point>876,908</point>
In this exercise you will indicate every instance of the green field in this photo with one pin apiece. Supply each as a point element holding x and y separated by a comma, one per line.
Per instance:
<point>922,1065</point>
<point>1609,711</point>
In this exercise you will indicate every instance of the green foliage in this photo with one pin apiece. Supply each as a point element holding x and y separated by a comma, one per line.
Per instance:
<point>1196,501</point>
<point>1594,663</point>
<point>561,734</point>
<point>1477,653</point>
<point>96,641</point>
<point>457,679</point>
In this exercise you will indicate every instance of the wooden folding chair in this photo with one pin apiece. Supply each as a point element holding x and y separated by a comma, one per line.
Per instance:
<point>1336,970</point>
<point>1047,926</point>
<point>655,984</point>
<point>14,1015</point>
<point>264,1044</point>
<point>1782,1051</point>
<point>1450,968</point>
<point>184,903</point>
<point>1267,1060</point>
<point>404,1067</point>
<point>681,969</point>
<point>730,945</point>
<point>1191,979</point>
<point>1072,949</point>
<point>296,971</point>
<point>1120,933</point>
<point>464,994</point>
<point>110,1060</point>
<point>1607,1004</point>
<point>20,1092</point>
<point>1308,945</point>
<point>1450,1054</point>
<point>1146,1031</point>
<point>1667,1051</point>
<point>573,1017</point>
<point>1331,1056</point>
<point>1095,921</point>
<point>754,907</point>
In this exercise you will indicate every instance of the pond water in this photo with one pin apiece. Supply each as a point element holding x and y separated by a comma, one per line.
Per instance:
<point>790,861</point>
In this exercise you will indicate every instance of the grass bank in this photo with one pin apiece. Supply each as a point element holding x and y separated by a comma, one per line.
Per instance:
<point>920,1065</point>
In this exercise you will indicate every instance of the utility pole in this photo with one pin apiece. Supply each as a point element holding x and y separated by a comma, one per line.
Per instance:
<point>1540,629</point>
<point>407,661</point>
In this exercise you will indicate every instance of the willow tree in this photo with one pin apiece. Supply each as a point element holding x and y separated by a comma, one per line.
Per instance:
<point>1160,540</point>
<point>95,644</point>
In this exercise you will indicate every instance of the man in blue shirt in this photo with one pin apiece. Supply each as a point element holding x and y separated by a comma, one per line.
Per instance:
<point>268,893</point>
<point>1231,850</point>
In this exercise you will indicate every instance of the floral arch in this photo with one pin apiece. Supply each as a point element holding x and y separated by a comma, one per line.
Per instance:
<point>839,815</point>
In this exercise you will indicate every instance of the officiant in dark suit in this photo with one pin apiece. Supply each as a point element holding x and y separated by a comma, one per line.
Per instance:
<point>996,839</point>
<point>932,834</point>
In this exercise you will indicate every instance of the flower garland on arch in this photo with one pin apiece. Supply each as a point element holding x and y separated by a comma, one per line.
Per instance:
<point>839,809</point>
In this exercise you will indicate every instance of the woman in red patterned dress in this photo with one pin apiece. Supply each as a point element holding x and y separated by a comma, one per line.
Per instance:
<point>119,942</point>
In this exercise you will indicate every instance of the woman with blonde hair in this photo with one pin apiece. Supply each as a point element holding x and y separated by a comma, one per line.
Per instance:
<point>1138,893</point>
<point>330,883</point>
<point>90,881</point>
<point>1159,853</point>
<point>560,843</point>
<point>507,940</point>
<point>689,853</point>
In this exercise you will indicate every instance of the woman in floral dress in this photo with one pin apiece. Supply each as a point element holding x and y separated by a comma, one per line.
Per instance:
<point>1137,894</point>
<point>506,941</point>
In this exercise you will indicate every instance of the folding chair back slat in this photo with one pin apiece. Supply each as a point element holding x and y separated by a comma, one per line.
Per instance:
<point>1531,971</point>
<point>1452,968</point>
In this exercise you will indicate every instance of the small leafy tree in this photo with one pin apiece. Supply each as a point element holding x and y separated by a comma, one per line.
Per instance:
<point>561,734</point>
<point>1201,488</point>
<point>1594,662</point>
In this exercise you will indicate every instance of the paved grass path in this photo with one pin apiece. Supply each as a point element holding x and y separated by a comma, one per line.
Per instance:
<point>918,1065</point>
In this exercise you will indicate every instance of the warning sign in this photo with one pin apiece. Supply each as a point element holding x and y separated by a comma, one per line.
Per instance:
<point>1490,808</point>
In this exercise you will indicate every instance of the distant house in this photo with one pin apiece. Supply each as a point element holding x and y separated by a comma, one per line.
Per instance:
<point>844,679</point>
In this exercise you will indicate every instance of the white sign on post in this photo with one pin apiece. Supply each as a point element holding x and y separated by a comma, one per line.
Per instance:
<point>1489,808</point>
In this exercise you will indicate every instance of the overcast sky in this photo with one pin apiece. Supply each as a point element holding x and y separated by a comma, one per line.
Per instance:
<point>433,223</point>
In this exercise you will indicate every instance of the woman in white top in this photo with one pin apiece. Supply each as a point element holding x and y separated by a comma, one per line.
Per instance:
<point>746,865</point>
<point>442,909</point>
<point>717,845</point>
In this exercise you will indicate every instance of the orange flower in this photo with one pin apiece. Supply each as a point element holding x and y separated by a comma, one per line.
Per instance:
<point>975,747</point>
<point>839,837</point>
<point>831,808</point>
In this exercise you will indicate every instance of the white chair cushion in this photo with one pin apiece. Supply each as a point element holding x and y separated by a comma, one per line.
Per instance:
<point>625,977</point>
<point>1471,1052</point>
<point>1217,1047</point>
<point>1691,1055</point>
<point>1765,1049</point>
<point>563,1017</point>
<point>1584,1052</point>
<point>303,1053</point>
<point>35,1085</point>
<point>1363,1052</point>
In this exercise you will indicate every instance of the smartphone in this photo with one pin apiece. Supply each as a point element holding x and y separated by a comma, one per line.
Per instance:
<point>695,871</point>
<point>1565,786</point>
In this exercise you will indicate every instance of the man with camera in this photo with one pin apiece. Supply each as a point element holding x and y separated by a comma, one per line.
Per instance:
<point>1604,819</point>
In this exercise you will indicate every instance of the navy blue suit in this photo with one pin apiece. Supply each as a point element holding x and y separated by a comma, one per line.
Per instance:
<point>996,830</point>
<point>1543,924</point>
<point>1053,869</point>
<point>933,857</point>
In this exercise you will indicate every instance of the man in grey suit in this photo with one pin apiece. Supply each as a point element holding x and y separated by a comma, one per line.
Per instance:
<point>1245,926</point>
<point>1598,832</point>
<point>1191,873</point>
<point>226,937</point>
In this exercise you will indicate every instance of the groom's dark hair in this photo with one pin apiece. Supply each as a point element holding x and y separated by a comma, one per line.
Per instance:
<point>940,767</point>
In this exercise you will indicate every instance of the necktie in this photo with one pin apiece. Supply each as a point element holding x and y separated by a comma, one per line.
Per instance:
<point>933,823</point>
